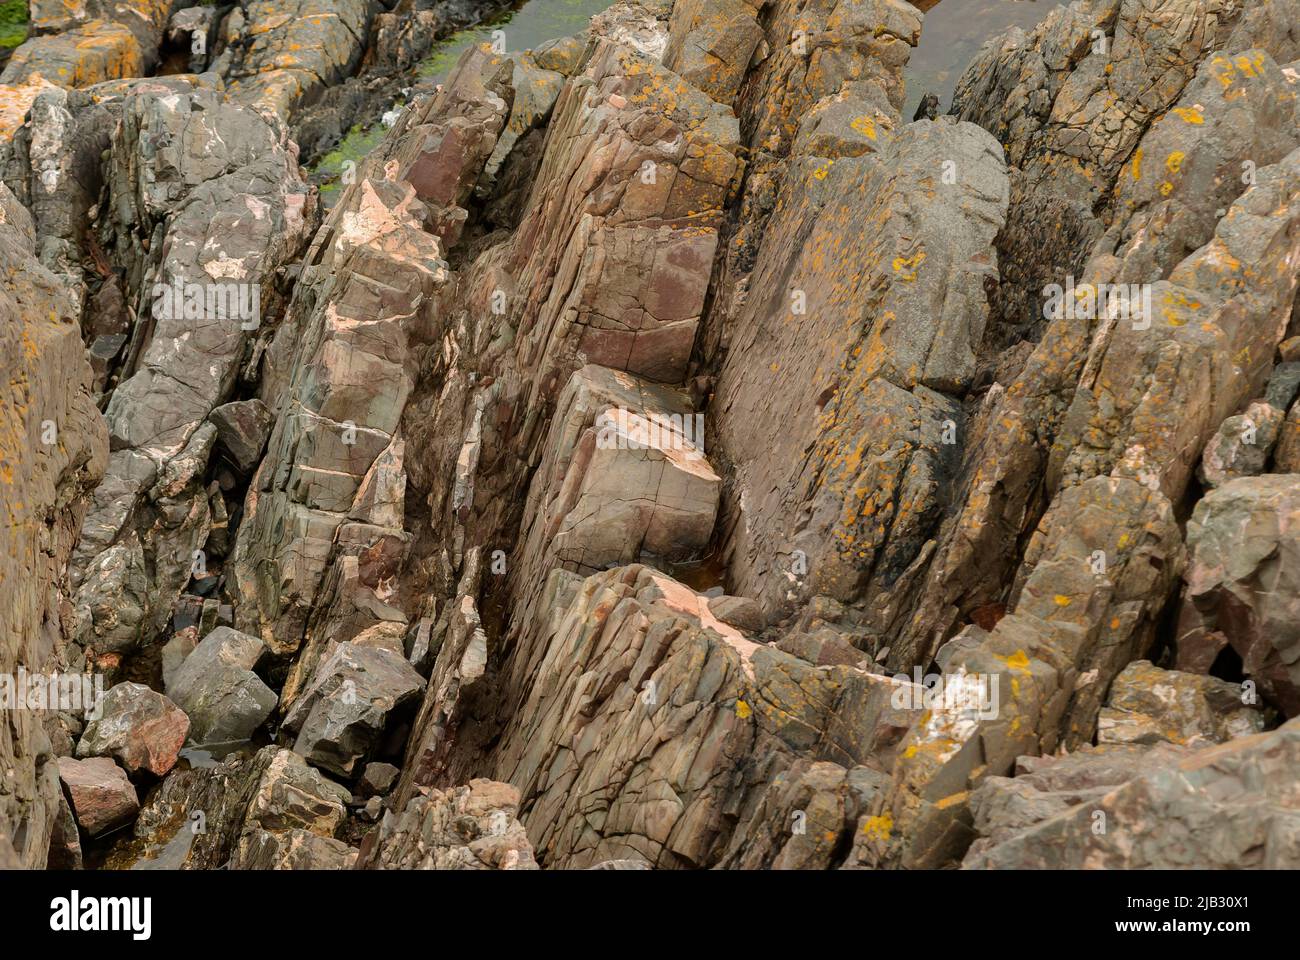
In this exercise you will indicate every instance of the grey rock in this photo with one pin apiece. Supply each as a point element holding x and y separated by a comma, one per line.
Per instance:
<point>217,688</point>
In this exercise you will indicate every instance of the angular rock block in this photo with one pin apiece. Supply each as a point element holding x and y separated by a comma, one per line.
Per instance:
<point>102,796</point>
<point>472,827</point>
<point>217,688</point>
<point>1243,585</point>
<point>140,727</point>
<point>340,717</point>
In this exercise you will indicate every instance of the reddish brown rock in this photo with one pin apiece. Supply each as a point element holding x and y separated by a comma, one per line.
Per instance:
<point>102,796</point>
<point>140,727</point>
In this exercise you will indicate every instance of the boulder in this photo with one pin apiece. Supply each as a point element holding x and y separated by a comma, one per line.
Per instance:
<point>140,727</point>
<point>242,429</point>
<point>217,688</point>
<point>1148,705</point>
<point>340,718</point>
<point>1243,585</point>
<point>1242,446</point>
<point>102,796</point>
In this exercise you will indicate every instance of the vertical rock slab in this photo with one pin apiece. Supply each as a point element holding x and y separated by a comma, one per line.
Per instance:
<point>53,449</point>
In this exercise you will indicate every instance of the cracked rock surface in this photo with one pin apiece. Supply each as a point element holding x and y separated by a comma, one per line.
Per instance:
<point>652,451</point>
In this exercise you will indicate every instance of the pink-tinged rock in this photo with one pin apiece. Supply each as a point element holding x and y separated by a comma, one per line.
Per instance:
<point>140,727</point>
<point>102,796</point>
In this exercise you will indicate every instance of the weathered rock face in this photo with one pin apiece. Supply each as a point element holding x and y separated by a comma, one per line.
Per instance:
<point>1193,812</point>
<point>202,233</point>
<point>53,448</point>
<point>895,310</point>
<point>642,399</point>
<point>658,744</point>
<point>466,828</point>
<point>1240,592</point>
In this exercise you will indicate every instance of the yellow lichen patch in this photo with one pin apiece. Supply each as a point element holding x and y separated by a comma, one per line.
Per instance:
<point>878,828</point>
<point>1017,662</point>
<point>1174,162</point>
<point>865,126</point>
<point>1191,115</point>
<point>743,710</point>
<point>1062,600</point>
<point>905,267</point>
<point>952,800</point>
<point>1137,164</point>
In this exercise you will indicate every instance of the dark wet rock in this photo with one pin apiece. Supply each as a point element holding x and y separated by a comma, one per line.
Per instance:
<point>242,429</point>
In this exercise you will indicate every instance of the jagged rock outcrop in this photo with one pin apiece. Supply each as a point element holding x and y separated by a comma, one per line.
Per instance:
<point>662,455</point>
<point>269,810</point>
<point>201,235</point>
<point>1175,812</point>
<point>53,449</point>
<point>1240,597</point>
<point>473,827</point>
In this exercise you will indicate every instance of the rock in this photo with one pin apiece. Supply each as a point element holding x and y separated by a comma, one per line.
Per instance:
<point>378,779</point>
<point>226,221</point>
<point>102,796</point>
<point>242,429</point>
<point>1230,805</point>
<point>44,488</point>
<point>65,840</point>
<point>291,850</point>
<point>472,827</point>
<point>341,715</point>
<point>1283,384</point>
<point>249,811</point>
<point>289,795</point>
<point>1148,705</point>
<point>710,44</point>
<point>710,691</point>
<point>1045,788</point>
<point>1241,589</point>
<point>1242,446</point>
<point>740,612</point>
<point>141,728</point>
<point>217,688</point>
<point>1287,455</point>
<point>275,54</point>
<point>621,865</point>
<point>174,652</point>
